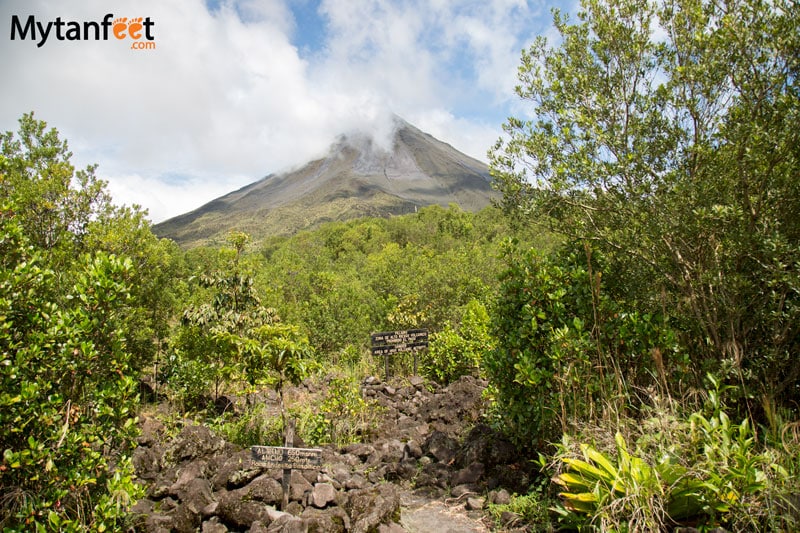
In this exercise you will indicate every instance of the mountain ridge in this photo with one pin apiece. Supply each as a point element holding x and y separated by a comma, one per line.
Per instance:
<point>358,177</point>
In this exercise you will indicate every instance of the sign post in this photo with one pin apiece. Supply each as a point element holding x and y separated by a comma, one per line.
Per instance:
<point>287,458</point>
<point>288,442</point>
<point>388,343</point>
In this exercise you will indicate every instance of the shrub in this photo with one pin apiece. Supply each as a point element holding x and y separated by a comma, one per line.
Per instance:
<point>343,417</point>
<point>532,509</point>
<point>701,469</point>
<point>564,340</point>
<point>67,396</point>
<point>254,428</point>
<point>458,351</point>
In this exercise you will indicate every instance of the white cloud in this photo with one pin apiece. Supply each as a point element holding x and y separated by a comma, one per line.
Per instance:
<point>227,98</point>
<point>164,198</point>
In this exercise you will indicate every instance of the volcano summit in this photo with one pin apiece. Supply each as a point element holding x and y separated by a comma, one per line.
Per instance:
<point>359,177</point>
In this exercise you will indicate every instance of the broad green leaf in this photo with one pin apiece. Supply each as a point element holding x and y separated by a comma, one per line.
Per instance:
<point>589,471</point>
<point>598,458</point>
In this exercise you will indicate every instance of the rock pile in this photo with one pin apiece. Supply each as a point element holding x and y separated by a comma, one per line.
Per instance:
<point>430,443</point>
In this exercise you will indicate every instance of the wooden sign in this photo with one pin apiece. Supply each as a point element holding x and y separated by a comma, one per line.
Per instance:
<point>398,348</point>
<point>387,343</point>
<point>409,336</point>
<point>286,457</point>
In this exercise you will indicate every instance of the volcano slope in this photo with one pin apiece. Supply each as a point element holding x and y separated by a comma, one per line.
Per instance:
<point>358,177</point>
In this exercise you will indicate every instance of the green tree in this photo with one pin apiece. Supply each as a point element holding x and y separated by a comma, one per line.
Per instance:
<point>80,307</point>
<point>276,353</point>
<point>66,212</point>
<point>156,281</point>
<point>207,344</point>
<point>236,337</point>
<point>68,394</point>
<point>56,202</point>
<point>665,134</point>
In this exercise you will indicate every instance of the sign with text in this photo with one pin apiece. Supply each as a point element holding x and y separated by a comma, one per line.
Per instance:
<point>388,343</point>
<point>285,457</point>
<point>392,342</point>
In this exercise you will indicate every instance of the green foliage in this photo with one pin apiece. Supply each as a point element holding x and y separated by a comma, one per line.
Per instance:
<point>343,417</point>
<point>154,280</point>
<point>65,213</point>
<point>529,314</point>
<point>563,340</point>
<point>276,353</point>
<point>625,493</point>
<point>345,280</point>
<point>215,337</point>
<point>56,204</point>
<point>189,379</point>
<point>68,397</point>
<point>340,417</point>
<point>697,469</point>
<point>675,153</point>
<point>279,350</point>
<point>80,314</point>
<point>458,351</point>
<point>533,510</point>
<point>234,337</point>
<point>255,427</point>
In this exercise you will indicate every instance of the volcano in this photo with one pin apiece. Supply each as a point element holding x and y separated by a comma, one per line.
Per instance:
<point>358,177</point>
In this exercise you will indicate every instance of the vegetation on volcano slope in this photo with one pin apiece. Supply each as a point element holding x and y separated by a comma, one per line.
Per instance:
<point>85,294</point>
<point>644,352</point>
<point>664,148</point>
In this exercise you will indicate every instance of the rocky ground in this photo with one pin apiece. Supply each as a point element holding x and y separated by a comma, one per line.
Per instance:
<point>431,465</point>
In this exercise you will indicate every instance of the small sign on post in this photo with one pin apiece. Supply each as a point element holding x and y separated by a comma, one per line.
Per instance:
<point>287,458</point>
<point>388,343</point>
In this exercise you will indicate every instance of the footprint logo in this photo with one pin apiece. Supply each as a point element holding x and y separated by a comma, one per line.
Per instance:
<point>135,28</point>
<point>119,27</point>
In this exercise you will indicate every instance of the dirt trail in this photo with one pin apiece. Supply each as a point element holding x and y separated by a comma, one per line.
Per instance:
<point>423,515</point>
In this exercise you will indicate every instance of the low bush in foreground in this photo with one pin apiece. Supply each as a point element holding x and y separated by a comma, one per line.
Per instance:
<point>702,470</point>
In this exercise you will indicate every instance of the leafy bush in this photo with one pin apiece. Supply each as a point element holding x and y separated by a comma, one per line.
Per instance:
<point>65,212</point>
<point>189,379</point>
<point>343,417</point>
<point>533,509</point>
<point>68,400</point>
<point>255,427</point>
<point>565,341</point>
<point>458,351</point>
<point>535,309</point>
<point>625,492</point>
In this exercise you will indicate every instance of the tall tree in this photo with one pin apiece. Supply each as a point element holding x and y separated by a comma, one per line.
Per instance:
<point>64,213</point>
<point>84,291</point>
<point>666,134</point>
<point>211,333</point>
<point>56,202</point>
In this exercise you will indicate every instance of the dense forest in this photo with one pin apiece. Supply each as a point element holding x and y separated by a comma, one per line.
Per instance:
<point>633,302</point>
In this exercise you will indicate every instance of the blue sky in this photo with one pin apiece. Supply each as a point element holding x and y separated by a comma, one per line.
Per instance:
<point>237,89</point>
<point>309,35</point>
